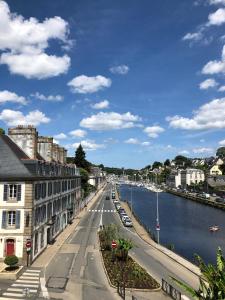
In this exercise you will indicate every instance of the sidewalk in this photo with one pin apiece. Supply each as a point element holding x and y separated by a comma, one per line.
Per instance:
<point>45,258</point>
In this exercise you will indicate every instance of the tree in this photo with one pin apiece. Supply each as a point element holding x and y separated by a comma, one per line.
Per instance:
<point>156,165</point>
<point>212,281</point>
<point>84,181</point>
<point>182,161</point>
<point>80,159</point>
<point>167,163</point>
<point>220,152</point>
<point>2,131</point>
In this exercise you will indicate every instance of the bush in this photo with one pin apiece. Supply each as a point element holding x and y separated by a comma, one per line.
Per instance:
<point>11,261</point>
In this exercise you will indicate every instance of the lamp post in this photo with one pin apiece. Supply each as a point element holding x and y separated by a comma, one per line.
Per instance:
<point>157,212</point>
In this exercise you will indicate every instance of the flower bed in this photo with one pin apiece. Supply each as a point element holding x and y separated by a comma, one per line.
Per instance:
<point>129,272</point>
<point>120,267</point>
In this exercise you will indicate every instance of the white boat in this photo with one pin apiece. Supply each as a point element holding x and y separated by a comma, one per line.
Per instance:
<point>214,228</point>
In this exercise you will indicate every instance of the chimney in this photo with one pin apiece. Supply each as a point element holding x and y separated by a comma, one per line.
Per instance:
<point>55,152</point>
<point>26,138</point>
<point>45,147</point>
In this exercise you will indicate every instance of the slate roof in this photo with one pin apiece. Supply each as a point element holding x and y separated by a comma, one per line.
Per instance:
<point>11,156</point>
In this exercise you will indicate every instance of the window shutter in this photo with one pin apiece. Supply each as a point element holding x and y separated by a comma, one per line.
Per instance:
<point>19,192</point>
<point>17,219</point>
<point>4,219</point>
<point>5,198</point>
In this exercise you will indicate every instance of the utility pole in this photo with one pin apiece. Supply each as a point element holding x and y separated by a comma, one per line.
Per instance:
<point>157,212</point>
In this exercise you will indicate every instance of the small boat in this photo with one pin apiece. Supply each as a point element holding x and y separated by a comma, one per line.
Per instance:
<point>214,228</point>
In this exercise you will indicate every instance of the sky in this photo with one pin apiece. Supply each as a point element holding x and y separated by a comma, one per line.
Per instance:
<point>133,81</point>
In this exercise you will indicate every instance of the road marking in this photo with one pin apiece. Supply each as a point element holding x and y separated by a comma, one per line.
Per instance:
<point>27,281</point>
<point>25,285</point>
<point>20,290</point>
<point>102,210</point>
<point>30,274</point>
<point>13,295</point>
<point>28,277</point>
<point>5,298</point>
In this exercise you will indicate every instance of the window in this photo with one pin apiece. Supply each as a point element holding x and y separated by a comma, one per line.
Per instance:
<point>12,192</point>
<point>11,218</point>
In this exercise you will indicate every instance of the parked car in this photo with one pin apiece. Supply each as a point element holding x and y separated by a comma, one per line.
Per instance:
<point>219,200</point>
<point>128,223</point>
<point>123,214</point>
<point>118,206</point>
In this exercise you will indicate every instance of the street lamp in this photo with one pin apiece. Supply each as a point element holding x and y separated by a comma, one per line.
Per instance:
<point>157,211</point>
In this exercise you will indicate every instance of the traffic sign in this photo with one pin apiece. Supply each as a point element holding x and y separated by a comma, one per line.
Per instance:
<point>28,244</point>
<point>114,244</point>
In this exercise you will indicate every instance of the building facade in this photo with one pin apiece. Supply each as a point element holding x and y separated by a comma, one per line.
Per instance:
<point>184,178</point>
<point>39,195</point>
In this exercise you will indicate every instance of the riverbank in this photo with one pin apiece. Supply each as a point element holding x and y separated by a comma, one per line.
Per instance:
<point>197,199</point>
<point>142,232</point>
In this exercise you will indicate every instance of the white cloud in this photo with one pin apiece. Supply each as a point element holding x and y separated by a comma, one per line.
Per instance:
<point>78,133</point>
<point>209,116</point>
<point>217,18</point>
<point>196,36</point>
<point>216,2</point>
<point>153,131</point>
<point>221,88</point>
<point>38,66</point>
<point>222,143</point>
<point>24,41</point>
<point>145,143</point>
<point>14,118</point>
<point>101,105</point>
<point>202,140</point>
<point>208,83</point>
<point>88,145</point>
<point>60,136</point>
<point>55,141</point>
<point>132,141</point>
<point>184,152</point>
<point>6,96</point>
<point>203,150</point>
<point>122,69</point>
<point>109,121</point>
<point>83,84</point>
<point>51,98</point>
<point>214,67</point>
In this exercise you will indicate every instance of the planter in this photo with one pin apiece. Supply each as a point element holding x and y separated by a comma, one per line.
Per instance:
<point>11,275</point>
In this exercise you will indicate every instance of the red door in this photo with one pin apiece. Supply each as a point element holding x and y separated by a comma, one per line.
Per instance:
<point>10,247</point>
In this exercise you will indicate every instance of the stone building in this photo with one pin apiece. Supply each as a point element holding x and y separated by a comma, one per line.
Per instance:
<point>184,178</point>
<point>39,195</point>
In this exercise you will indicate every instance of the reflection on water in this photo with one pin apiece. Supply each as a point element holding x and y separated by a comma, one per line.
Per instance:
<point>183,223</point>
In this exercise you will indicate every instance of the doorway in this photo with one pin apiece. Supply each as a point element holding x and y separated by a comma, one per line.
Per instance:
<point>10,247</point>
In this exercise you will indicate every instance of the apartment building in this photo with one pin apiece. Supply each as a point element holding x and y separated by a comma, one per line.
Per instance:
<point>182,178</point>
<point>39,193</point>
<point>97,177</point>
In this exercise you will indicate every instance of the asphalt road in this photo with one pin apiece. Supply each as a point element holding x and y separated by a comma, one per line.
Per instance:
<point>77,269</point>
<point>157,263</point>
<point>79,261</point>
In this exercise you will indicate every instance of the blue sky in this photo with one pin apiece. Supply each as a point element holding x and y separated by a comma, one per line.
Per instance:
<point>133,81</point>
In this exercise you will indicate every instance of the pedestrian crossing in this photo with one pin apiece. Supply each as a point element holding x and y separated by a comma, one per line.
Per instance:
<point>102,210</point>
<point>23,287</point>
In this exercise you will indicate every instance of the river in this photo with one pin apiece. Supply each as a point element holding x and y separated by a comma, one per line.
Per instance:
<point>183,223</point>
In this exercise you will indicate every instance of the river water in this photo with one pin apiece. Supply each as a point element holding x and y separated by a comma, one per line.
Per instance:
<point>183,223</point>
